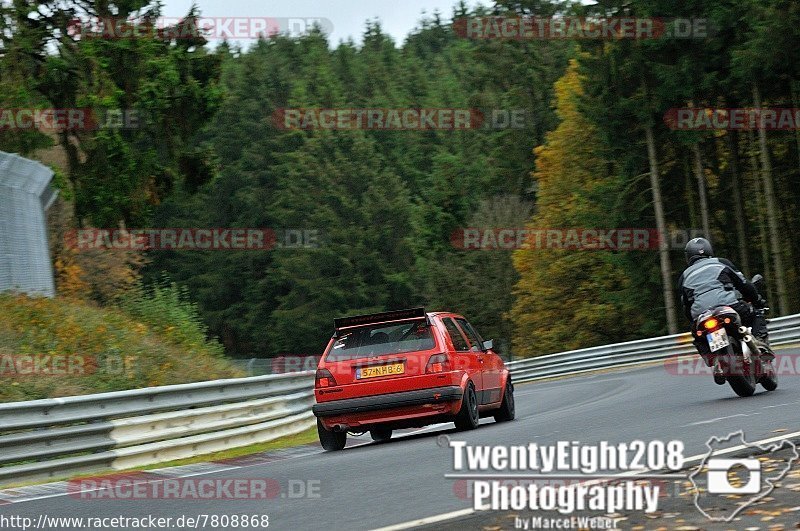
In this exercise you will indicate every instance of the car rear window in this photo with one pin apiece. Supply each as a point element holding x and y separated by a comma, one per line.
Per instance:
<point>367,341</point>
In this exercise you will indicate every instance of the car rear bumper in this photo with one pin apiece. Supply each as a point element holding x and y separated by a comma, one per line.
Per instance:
<point>421,397</point>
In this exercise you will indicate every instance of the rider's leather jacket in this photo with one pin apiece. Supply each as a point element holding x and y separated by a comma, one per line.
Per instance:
<point>712,282</point>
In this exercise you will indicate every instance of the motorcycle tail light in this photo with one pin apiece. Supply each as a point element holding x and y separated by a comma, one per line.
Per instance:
<point>711,324</point>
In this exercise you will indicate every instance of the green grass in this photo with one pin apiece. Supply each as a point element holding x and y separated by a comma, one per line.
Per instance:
<point>101,349</point>
<point>155,340</point>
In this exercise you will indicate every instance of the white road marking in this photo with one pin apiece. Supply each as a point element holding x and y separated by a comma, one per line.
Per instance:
<point>431,427</point>
<point>426,521</point>
<point>733,449</point>
<point>414,431</point>
<point>781,405</point>
<point>711,421</point>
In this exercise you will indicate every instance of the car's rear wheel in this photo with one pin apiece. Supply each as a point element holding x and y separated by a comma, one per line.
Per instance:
<point>507,411</point>
<point>331,440</point>
<point>468,417</point>
<point>380,434</point>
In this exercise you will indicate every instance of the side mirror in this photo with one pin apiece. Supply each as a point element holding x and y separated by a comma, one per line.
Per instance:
<point>488,345</point>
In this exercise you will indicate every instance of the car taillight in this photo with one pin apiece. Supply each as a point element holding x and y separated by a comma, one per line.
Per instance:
<point>711,324</point>
<point>438,363</point>
<point>325,378</point>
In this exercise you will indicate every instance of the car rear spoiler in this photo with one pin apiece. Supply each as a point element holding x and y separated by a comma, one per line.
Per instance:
<point>383,317</point>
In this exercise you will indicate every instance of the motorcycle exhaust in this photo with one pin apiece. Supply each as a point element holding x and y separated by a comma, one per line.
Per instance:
<point>751,345</point>
<point>743,330</point>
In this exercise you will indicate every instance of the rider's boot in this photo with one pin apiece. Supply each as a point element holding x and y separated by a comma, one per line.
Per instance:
<point>761,336</point>
<point>766,351</point>
<point>760,324</point>
<point>719,374</point>
<point>702,349</point>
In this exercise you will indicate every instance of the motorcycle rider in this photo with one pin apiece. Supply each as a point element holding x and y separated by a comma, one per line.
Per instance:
<point>710,282</point>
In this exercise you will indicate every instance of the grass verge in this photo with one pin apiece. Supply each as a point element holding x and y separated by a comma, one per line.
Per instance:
<point>304,437</point>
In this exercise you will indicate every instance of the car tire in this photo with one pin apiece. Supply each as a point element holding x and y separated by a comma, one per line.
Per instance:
<point>380,434</point>
<point>468,417</point>
<point>507,410</point>
<point>331,441</point>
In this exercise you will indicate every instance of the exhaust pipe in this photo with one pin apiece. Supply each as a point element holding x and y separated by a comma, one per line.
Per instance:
<point>339,428</point>
<point>751,344</point>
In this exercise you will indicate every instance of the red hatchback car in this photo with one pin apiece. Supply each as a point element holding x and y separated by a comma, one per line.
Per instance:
<point>405,369</point>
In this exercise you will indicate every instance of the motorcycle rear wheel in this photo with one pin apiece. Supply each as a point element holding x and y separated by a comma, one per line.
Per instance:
<point>743,385</point>
<point>770,380</point>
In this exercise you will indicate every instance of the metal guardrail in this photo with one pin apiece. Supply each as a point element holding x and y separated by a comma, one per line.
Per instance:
<point>55,437</point>
<point>783,330</point>
<point>283,364</point>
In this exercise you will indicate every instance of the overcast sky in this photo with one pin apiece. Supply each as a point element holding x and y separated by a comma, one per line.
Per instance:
<point>347,17</point>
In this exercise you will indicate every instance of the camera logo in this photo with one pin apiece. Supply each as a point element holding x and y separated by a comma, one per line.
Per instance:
<point>724,486</point>
<point>719,482</point>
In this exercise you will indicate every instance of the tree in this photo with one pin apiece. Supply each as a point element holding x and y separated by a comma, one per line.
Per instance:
<point>568,298</point>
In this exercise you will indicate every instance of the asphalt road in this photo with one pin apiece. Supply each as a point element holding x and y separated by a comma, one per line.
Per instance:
<point>370,485</point>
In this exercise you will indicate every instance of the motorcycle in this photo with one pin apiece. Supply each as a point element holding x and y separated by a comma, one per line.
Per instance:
<point>737,357</point>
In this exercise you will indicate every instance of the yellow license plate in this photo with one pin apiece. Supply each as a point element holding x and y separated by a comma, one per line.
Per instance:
<point>381,370</point>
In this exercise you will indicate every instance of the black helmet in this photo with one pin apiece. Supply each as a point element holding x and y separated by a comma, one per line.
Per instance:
<point>698,247</point>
